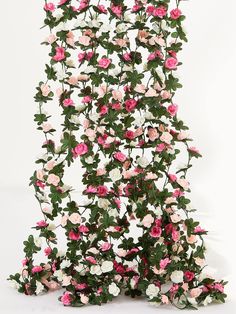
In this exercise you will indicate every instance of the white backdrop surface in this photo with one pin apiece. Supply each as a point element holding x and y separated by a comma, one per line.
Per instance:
<point>207,105</point>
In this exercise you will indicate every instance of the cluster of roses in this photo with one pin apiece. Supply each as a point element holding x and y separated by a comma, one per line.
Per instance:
<point>128,149</point>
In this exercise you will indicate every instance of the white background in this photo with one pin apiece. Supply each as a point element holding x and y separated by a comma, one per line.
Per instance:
<point>207,105</point>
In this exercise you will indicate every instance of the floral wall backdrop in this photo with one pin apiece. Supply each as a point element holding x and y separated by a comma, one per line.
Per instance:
<point>111,75</point>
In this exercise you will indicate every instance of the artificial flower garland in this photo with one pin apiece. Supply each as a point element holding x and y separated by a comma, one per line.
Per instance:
<point>112,68</point>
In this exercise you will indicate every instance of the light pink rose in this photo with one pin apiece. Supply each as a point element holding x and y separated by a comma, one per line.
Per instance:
<point>84,299</point>
<point>166,137</point>
<point>117,95</point>
<point>51,39</point>
<point>164,299</point>
<point>84,40</point>
<point>75,218</point>
<point>148,221</point>
<point>105,246</point>
<point>40,174</point>
<point>45,89</point>
<point>46,127</point>
<point>140,88</point>
<point>101,172</point>
<point>50,165</point>
<point>195,293</point>
<point>53,179</point>
<point>165,94</point>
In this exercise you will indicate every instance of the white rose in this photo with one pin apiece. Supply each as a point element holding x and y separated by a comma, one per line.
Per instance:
<point>115,175</point>
<point>152,291</point>
<point>58,274</point>
<point>113,212</point>
<point>177,276</point>
<point>89,160</point>
<point>39,287</point>
<point>143,162</point>
<point>113,289</point>
<point>121,28</point>
<point>81,269</point>
<point>95,270</point>
<point>103,203</point>
<point>47,210</point>
<point>38,241</point>
<point>107,266</point>
<point>90,69</point>
<point>65,264</point>
<point>207,301</point>
<point>75,218</point>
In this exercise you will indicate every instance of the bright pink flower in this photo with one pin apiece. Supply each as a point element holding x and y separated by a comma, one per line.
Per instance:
<point>40,184</point>
<point>117,10</point>
<point>62,2</point>
<point>42,224</point>
<point>74,236</point>
<point>105,246</point>
<point>37,269</point>
<point>160,147</point>
<point>102,8</point>
<point>130,104</point>
<point>152,56</point>
<point>91,189</point>
<point>48,251</point>
<point>86,99</point>
<point>60,54</point>
<point>80,149</point>
<point>155,232</point>
<point>219,287</point>
<point>175,14</point>
<point>89,55</point>
<point>24,262</point>
<point>194,150</point>
<point>49,7</point>
<point>136,7</point>
<point>66,298</point>
<point>171,63</point>
<point>102,190</point>
<point>120,156</point>
<point>83,229</point>
<point>150,9</point>
<point>172,177</point>
<point>127,57</point>
<point>104,63</point>
<point>160,12</point>
<point>164,262</point>
<point>129,134</point>
<point>81,56</point>
<point>198,229</point>
<point>91,260</point>
<point>172,109</point>
<point>68,102</point>
<point>103,110</point>
<point>189,276</point>
<point>116,106</point>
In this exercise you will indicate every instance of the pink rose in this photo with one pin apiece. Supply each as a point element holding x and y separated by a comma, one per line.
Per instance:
<point>171,63</point>
<point>117,10</point>
<point>53,179</point>
<point>84,299</point>
<point>127,57</point>
<point>42,224</point>
<point>37,269</point>
<point>172,109</point>
<point>160,12</point>
<point>117,95</point>
<point>102,190</point>
<point>130,135</point>
<point>189,276</point>
<point>74,236</point>
<point>164,262</point>
<point>130,104</point>
<point>86,99</point>
<point>104,63</point>
<point>195,293</point>
<point>102,8</point>
<point>49,7</point>
<point>105,246</point>
<point>66,298</point>
<point>60,54</point>
<point>175,14</point>
<point>47,251</point>
<point>103,110</point>
<point>120,156</point>
<point>155,232</point>
<point>80,149</point>
<point>68,102</point>
<point>75,218</point>
<point>148,221</point>
<point>83,229</point>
